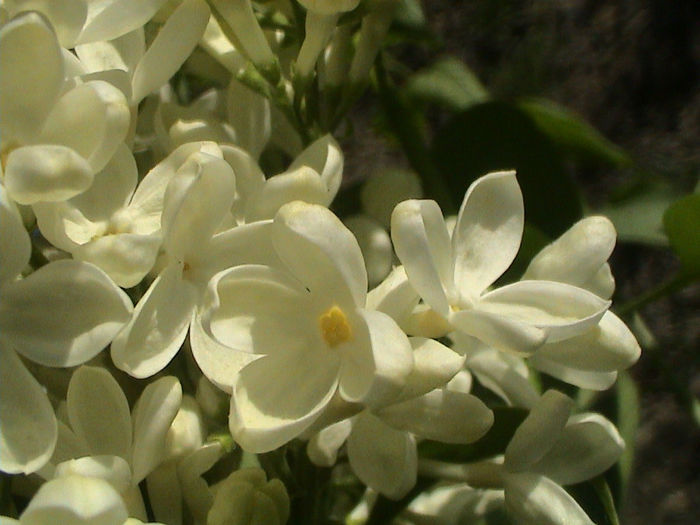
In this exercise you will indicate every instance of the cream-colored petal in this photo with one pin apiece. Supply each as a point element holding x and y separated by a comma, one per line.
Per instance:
<point>249,179</point>
<point>126,257</point>
<point>384,458</point>
<point>92,119</point>
<point>376,363</point>
<point>588,446</point>
<point>32,75</point>
<point>278,396</point>
<point>121,53</point>
<point>111,19</point>
<point>488,232</point>
<point>590,380</point>
<point>66,16</point>
<point>153,414</point>
<point>27,422</point>
<point>323,447</point>
<point>195,203</point>
<point>325,157</point>
<point>75,499</point>
<point>99,412</point>
<point>46,172</point>
<point>536,500</point>
<point>112,469</point>
<point>321,252</point>
<point>577,255</point>
<point>441,415</point>
<point>165,494</point>
<point>15,246</point>
<point>158,327</point>
<point>422,244</point>
<point>301,184</point>
<point>560,309</point>
<point>173,44</point>
<point>539,431</point>
<point>195,489</point>
<point>497,372</point>
<point>394,296</point>
<point>375,244</point>
<point>63,314</point>
<point>434,364</point>
<point>502,332</point>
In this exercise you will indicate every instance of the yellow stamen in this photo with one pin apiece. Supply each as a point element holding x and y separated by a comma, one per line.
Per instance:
<point>335,328</point>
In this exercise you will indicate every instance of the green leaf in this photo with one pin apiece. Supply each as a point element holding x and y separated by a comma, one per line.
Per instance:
<point>448,83</point>
<point>603,491</point>
<point>573,135</point>
<point>639,217</point>
<point>682,225</point>
<point>496,135</point>
<point>506,421</point>
<point>627,398</point>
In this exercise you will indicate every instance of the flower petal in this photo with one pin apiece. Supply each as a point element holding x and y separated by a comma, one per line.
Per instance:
<point>394,296</point>
<point>497,372</point>
<point>539,431</point>
<point>422,243</point>
<point>441,415</point>
<point>259,310</point>
<point>99,412</point>
<point>126,258</point>
<point>109,20</point>
<point>76,499</point>
<point>488,231</point>
<point>434,364</point>
<point>249,113</point>
<point>27,422</point>
<point>301,184</point>
<point>607,347</point>
<point>501,332</point>
<point>321,252</point>
<point>323,447</point>
<point>32,75</point>
<point>173,44</point>
<point>573,376</point>
<point>278,396</point>
<point>376,364</point>
<point>46,173</point>
<point>560,309</point>
<point>122,53</point>
<point>384,458</point>
<point>195,490</point>
<point>112,469</point>
<point>325,157</point>
<point>92,119</point>
<point>195,203</point>
<point>15,245</point>
<point>66,16</point>
<point>153,414</point>
<point>165,494</point>
<point>588,446</point>
<point>537,500</point>
<point>158,327</point>
<point>63,314</point>
<point>576,256</point>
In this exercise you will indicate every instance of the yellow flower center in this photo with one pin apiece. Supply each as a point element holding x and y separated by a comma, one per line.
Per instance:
<point>334,325</point>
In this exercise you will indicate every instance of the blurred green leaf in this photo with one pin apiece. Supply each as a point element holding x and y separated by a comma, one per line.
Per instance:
<point>595,499</point>
<point>506,421</point>
<point>627,398</point>
<point>496,135</point>
<point>639,217</point>
<point>449,83</point>
<point>682,225</point>
<point>605,496</point>
<point>573,135</point>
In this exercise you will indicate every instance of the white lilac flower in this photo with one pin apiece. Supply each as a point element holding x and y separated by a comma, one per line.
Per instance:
<point>197,202</point>
<point>103,438</point>
<point>452,275</point>
<point>551,449</point>
<point>56,134</point>
<point>381,443</point>
<point>375,244</point>
<point>579,257</point>
<point>307,328</point>
<point>146,70</point>
<point>61,315</point>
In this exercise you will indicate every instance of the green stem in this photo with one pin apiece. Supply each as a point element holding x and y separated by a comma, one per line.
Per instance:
<point>405,125</point>
<point>679,282</point>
